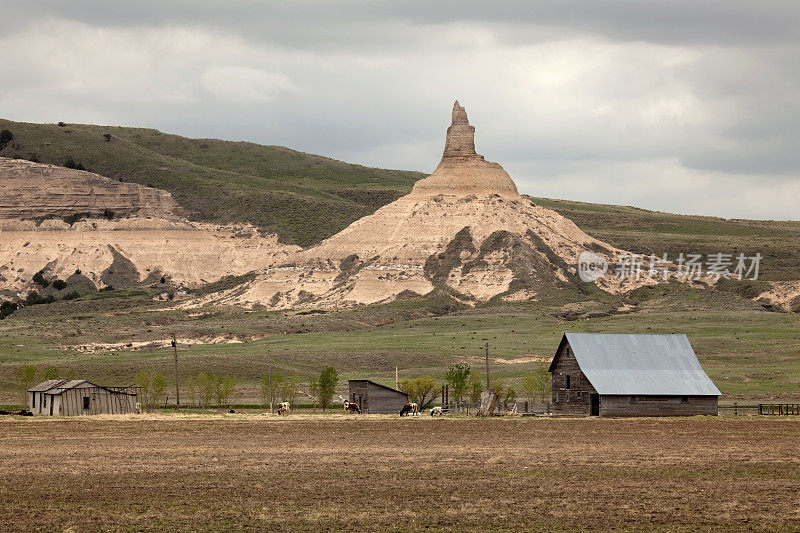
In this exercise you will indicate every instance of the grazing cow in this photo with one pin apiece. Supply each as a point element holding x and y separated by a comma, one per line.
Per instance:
<point>352,407</point>
<point>409,409</point>
<point>436,411</point>
<point>284,407</point>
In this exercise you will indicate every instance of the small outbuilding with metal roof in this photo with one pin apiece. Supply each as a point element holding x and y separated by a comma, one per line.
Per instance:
<point>67,397</point>
<point>630,375</point>
<point>374,398</point>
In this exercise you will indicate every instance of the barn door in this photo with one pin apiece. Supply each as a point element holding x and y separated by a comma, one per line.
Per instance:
<point>595,405</point>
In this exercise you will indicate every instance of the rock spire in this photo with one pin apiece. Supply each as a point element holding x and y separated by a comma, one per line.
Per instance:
<point>462,171</point>
<point>460,139</point>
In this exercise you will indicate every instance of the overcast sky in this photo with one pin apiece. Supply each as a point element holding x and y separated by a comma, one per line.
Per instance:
<point>683,106</point>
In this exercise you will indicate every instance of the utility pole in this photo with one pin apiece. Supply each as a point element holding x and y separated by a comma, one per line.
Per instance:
<point>488,383</point>
<point>175,353</point>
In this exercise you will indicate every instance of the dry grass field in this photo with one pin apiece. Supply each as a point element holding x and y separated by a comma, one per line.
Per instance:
<point>257,472</point>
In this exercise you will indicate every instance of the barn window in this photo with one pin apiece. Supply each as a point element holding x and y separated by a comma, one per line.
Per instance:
<point>557,400</point>
<point>579,395</point>
<point>566,396</point>
<point>86,403</point>
<point>568,384</point>
<point>633,399</point>
<point>684,399</point>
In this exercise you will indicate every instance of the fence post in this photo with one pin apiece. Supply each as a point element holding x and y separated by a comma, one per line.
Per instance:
<point>735,409</point>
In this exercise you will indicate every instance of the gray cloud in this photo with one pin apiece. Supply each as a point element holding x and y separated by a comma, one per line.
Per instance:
<point>665,103</point>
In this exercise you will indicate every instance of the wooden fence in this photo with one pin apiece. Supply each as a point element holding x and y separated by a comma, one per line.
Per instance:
<point>779,409</point>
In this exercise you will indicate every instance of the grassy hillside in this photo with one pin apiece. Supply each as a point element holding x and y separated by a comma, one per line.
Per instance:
<point>646,232</point>
<point>302,197</point>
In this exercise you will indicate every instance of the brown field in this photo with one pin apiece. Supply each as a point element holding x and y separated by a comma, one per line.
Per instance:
<point>256,472</point>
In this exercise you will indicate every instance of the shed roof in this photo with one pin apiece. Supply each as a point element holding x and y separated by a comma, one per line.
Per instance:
<point>378,385</point>
<point>640,364</point>
<point>47,385</point>
<point>57,386</point>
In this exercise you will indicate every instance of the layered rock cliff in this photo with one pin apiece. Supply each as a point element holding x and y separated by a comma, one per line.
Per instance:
<point>146,239</point>
<point>34,191</point>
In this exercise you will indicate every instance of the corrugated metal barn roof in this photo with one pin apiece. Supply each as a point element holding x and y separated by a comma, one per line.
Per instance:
<point>640,364</point>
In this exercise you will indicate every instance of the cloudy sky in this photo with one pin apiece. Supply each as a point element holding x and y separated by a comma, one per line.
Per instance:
<point>683,105</point>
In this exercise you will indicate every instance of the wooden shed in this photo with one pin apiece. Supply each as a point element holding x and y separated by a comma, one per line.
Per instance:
<point>374,398</point>
<point>69,397</point>
<point>630,375</point>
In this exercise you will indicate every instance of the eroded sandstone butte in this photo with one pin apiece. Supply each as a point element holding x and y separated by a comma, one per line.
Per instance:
<point>145,240</point>
<point>464,230</point>
<point>33,191</point>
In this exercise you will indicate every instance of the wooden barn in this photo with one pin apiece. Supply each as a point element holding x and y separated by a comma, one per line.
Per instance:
<point>630,375</point>
<point>69,397</point>
<point>374,398</point>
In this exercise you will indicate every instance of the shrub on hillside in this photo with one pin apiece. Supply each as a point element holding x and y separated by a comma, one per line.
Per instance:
<point>7,308</point>
<point>34,298</point>
<point>71,163</point>
<point>5,137</point>
<point>38,278</point>
<point>59,284</point>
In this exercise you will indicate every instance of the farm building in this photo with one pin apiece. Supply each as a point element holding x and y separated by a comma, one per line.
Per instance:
<point>374,398</point>
<point>630,375</point>
<point>67,397</point>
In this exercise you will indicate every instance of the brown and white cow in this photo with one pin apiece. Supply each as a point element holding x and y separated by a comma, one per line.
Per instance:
<point>352,407</point>
<point>409,409</point>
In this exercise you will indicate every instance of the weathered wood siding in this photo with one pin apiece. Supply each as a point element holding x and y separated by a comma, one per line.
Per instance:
<point>42,402</point>
<point>71,402</point>
<point>577,399</point>
<point>658,406</point>
<point>375,399</point>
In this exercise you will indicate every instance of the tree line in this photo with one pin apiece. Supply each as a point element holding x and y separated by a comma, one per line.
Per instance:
<point>206,389</point>
<point>466,384</point>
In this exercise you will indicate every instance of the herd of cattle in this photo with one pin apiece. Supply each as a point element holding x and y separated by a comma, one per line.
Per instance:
<point>409,409</point>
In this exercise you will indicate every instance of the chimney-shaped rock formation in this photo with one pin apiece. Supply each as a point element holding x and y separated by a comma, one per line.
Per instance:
<point>462,171</point>
<point>460,139</point>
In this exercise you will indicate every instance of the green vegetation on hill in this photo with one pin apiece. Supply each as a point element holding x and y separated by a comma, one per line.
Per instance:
<point>304,198</point>
<point>652,232</point>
